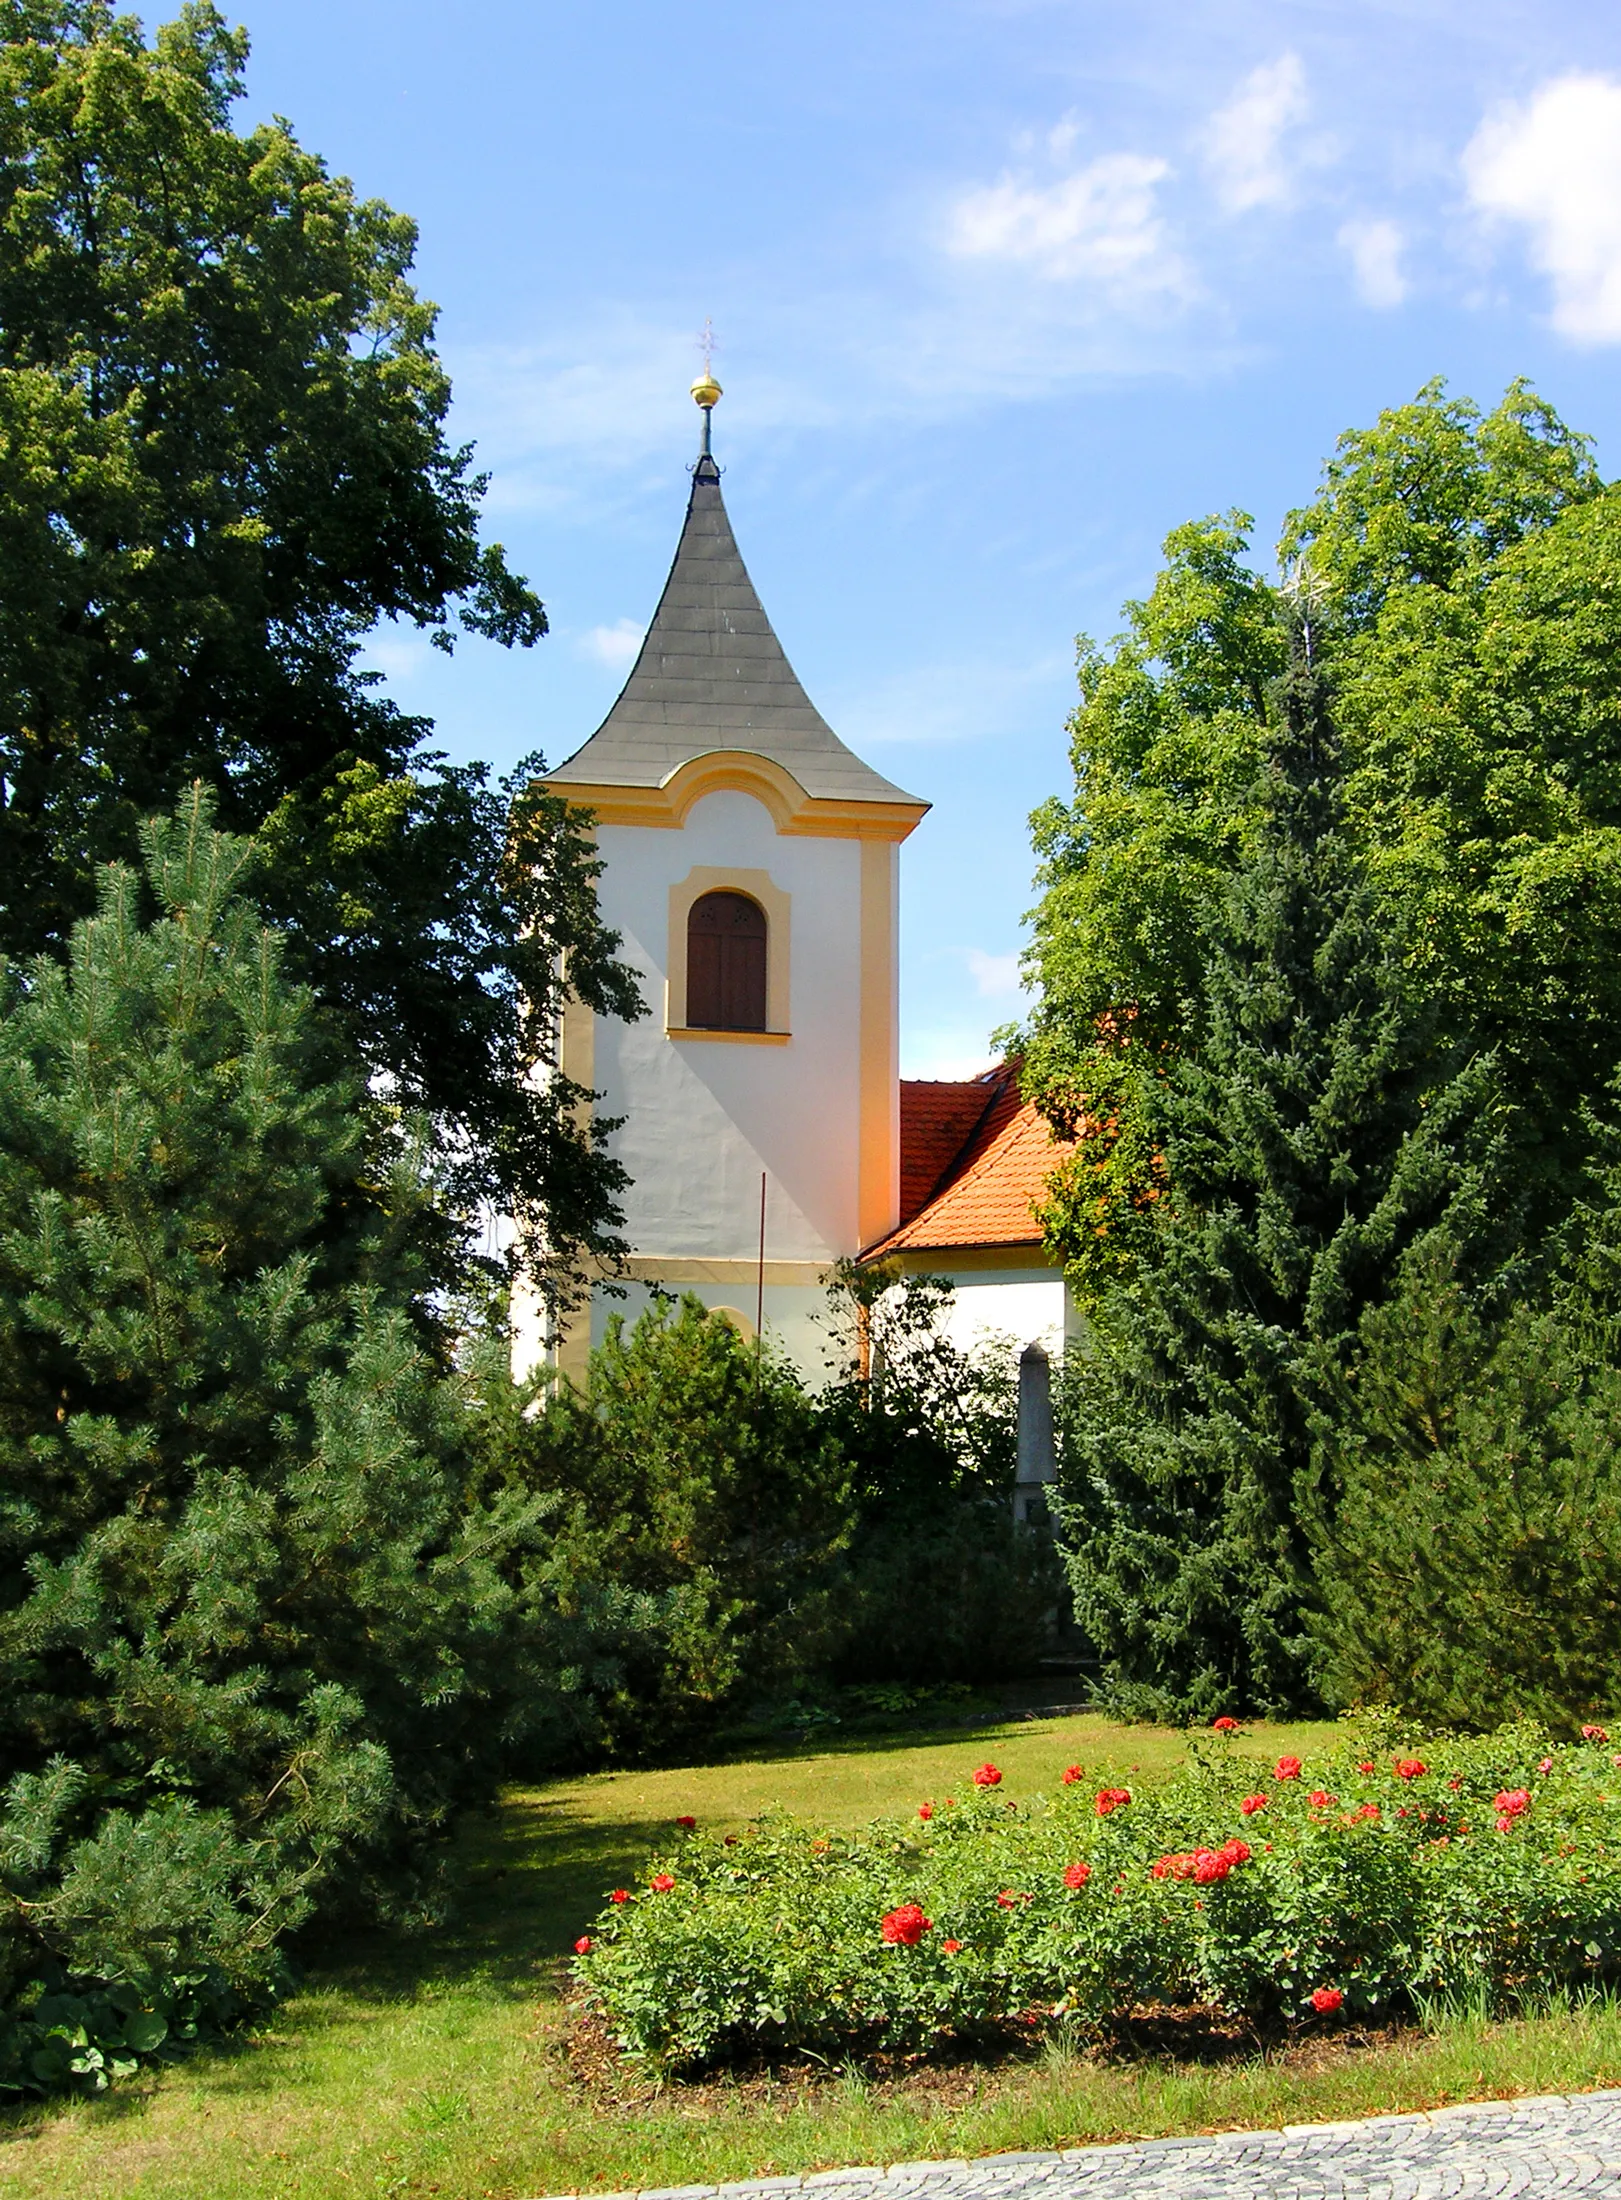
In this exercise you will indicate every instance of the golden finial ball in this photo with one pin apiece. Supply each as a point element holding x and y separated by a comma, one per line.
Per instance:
<point>706,391</point>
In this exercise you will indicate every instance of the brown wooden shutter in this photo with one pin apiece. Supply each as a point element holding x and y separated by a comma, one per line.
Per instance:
<point>726,964</point>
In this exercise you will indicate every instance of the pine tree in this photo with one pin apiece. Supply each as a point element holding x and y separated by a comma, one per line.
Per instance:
<point>1306,1135</point>
<point>257,1641</point>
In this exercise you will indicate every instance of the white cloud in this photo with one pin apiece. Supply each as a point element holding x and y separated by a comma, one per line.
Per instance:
<point>1100,225</point>
<point>614,646</point>
<point>399,658</point>
<point>1243,144</point>
<point>1555,165</point>
<point>996,977</point>
<point>1375,250</point>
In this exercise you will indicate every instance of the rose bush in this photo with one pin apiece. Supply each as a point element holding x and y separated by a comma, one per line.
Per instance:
<point>1387,1878</point>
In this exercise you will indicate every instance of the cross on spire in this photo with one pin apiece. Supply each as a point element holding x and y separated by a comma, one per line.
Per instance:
<point>706,391</point>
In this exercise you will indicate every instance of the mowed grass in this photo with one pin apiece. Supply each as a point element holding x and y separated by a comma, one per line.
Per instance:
<point>436,2066</point>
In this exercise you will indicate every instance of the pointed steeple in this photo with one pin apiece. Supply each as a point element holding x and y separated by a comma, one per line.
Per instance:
<point>712,676</point>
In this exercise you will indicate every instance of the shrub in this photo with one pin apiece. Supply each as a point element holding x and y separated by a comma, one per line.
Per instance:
<point>939,1583</point>
<point>1356,1880</point>
<point>959,1591</point>
<point>699,1477</point>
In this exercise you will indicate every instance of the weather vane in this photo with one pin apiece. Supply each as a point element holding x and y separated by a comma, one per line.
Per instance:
<point>706,391</point>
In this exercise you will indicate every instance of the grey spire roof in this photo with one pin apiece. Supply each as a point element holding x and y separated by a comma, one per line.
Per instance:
<point>712,675</point>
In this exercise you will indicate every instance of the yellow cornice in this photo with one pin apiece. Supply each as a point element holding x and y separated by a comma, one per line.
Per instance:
<point>792,810</point>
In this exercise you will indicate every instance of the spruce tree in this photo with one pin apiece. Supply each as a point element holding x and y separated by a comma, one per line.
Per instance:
<point>1471,1570</point>
<point>1306,1135</point>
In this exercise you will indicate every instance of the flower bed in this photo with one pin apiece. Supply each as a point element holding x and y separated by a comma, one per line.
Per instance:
<point>1334,1888</point>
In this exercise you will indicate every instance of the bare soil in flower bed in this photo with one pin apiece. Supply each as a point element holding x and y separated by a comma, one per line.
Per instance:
<point>955,2073</point>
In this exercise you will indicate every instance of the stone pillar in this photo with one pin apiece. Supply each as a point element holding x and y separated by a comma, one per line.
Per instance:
<point>1038,1460</point>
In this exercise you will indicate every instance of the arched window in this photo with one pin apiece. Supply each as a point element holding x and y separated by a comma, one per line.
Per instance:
<point>726,964</point>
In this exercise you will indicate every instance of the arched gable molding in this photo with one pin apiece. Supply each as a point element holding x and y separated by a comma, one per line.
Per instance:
<point>740,771</point>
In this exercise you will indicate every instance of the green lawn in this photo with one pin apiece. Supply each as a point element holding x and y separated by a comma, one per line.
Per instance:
<point>437,2067</point>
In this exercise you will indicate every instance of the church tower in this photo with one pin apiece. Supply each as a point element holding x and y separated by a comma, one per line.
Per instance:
<point>750,863</point>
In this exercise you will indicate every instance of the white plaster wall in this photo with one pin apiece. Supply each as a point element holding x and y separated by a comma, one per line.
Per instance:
<point>1015,1307</point>
<point>796,1322</point>
<point>704,1117</point>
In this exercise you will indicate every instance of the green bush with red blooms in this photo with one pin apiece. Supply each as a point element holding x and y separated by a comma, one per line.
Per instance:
<point>1352,1886</point>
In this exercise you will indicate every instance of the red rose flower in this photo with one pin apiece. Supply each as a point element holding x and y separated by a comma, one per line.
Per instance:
<point>1510,1802</point>
<point>1184,1865</point>
<point>1224,1725</point>
<point>688,1823</point>
<point>662,1882</point>
<point>951,1946</point>
<point>987,1777</point>
<point>1288,1768</point>
<point>925,1811</point>
<point>1076,1875</point>
<point>1320,1799</point>
<point>1007,1899</point>
<point>1071,1774</point>
<point>1368,1810</point>
<point>1411,1768</point>
<point>905,1927</point>
<point>1326,1999</point>
<point>1111,1799</point>
<point>1210,1865</point>
<point>1251,1804</point>
<point>620,1894</point>
<point>1236,1851</point>
<point>1594,1734</point>
<point>1365,1768</point>
<point>582,1947</point>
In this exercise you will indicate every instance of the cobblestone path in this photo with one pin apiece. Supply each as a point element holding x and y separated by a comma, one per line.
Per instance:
<point>1495,2148</point>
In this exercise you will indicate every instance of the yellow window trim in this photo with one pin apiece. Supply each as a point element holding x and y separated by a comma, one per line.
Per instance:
<point>747,1038</point>
<point>710,878</point>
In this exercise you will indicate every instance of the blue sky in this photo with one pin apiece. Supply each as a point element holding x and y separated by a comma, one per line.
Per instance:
<point>1003,290</point>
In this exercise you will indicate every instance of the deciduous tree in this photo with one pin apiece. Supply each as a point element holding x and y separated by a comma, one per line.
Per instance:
<point>223,463</point>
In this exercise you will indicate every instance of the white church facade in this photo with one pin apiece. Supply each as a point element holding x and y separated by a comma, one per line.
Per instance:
<point>751,867</point>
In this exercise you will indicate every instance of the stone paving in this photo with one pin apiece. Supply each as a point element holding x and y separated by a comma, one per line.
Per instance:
<point>1496,2148</point>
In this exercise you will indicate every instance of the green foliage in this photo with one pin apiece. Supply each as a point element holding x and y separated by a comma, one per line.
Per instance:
<point>1309,1130</point>
<point>1468,1570</point>
<point>1463,573</point>
<point>940,1582</point>
<point>1379,1878</point>
<point>917,1415</point>
<point>955,1591</point>
<point>723,1536</point>
<point>222,465</point>
<point>258,1641</point>
<point>700,1478</point>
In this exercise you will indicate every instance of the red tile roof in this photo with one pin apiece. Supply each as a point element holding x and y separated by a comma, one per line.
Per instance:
<point>974,1161</point>
<point>937,1121</point>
